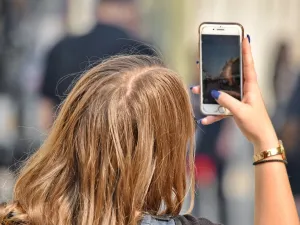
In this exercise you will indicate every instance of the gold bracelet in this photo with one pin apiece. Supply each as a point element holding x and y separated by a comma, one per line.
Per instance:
<point>270,152</point>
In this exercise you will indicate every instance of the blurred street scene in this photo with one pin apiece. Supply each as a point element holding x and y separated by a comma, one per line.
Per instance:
<point>45,45</point>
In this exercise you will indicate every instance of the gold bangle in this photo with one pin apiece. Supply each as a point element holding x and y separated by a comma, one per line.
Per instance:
<point>270,152</point>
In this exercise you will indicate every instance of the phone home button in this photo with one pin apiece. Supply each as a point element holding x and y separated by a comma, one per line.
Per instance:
<point>221,109</point>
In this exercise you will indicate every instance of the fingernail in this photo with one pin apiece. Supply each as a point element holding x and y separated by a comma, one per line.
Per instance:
<point>215,94</point>
<point>203,121</point>
<point>191,87</point>
<point>249,39</point>
<point>197,62</point>
<point>199,122</point>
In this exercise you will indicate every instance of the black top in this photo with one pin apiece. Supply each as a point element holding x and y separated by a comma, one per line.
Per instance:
<point>190,220</point>
<point>178,220</point>
<point>74,55</point>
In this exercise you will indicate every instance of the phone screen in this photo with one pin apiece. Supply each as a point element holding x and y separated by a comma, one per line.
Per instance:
<point>221,66</point>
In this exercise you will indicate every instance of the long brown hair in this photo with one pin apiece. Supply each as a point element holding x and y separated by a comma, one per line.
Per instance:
<point>117,150</point>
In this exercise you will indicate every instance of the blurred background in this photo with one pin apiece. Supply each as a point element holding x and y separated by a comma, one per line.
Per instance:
<point>42,41</point>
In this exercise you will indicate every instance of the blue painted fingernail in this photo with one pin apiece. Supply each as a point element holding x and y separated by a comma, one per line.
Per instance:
<point>191,87</point>
<point>197,62</point>
<point>249,39</point>
<point>199,122</point>
<point>215,94</point>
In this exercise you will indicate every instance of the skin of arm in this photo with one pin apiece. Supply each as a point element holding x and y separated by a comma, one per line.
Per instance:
<point>274,202</point>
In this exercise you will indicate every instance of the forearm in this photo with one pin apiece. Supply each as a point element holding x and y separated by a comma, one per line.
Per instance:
<point>274,202</point>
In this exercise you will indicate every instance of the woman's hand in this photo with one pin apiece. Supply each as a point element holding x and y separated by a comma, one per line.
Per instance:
<point>250,115</point>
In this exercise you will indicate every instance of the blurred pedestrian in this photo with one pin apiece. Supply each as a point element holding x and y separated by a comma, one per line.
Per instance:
<point>290,135</point>
<point>287,113</point>
<point>114,33</point>
<point>209,166</point>
<point>284,81</point>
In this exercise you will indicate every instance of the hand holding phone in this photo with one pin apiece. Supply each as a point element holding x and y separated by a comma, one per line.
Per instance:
<point>250,114</point>
<point>220,64</point>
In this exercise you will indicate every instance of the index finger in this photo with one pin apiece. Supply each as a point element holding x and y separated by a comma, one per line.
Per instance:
<point>248,63</point>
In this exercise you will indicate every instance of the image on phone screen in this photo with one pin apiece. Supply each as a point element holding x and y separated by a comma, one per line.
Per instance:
<point>221,66</point>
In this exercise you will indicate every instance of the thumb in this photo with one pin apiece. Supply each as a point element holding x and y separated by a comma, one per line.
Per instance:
<point>227,101</point>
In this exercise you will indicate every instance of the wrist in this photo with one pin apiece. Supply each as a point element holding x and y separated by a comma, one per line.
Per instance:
<point>266,143</point>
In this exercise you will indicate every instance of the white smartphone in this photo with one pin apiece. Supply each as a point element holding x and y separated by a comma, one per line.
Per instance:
<point>220,50</point>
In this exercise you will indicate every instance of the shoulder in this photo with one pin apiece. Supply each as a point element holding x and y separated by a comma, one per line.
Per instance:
<point>129,43</point>
<point>179,220</point>
<point>190,220</point>
<point>107,31</point>
<point>65,43</point>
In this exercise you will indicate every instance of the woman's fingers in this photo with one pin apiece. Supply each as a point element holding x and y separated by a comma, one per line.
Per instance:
<point>211,119</point>
<point>227,101</point>
<point>248,63</point>
<point>196,89</point>
<point>233,93</point>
